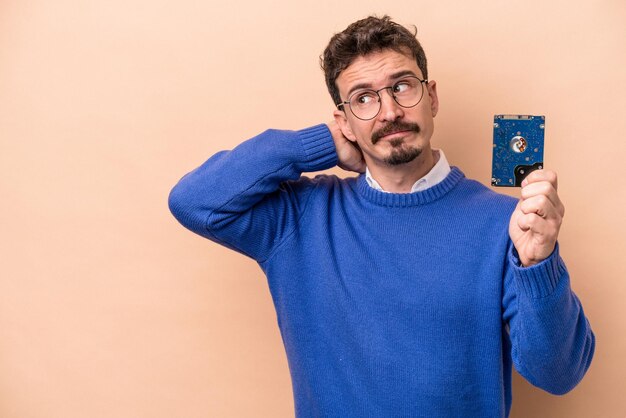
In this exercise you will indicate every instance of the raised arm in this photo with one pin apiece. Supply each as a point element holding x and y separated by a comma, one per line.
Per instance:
<point>552,341</point>
<point>248,198</point>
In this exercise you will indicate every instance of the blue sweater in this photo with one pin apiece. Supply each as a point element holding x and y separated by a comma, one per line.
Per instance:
<point>389,305</point>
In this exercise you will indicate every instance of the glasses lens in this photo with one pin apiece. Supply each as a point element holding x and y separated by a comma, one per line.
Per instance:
<point>408,92</point>
<point>365,104</point>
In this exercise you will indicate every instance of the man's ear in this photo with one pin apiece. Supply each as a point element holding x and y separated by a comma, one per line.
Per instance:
<point>342,122</point>
<point>434,100</point>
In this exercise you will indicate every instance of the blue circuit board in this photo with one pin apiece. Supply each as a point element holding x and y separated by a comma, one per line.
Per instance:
<point>517,148</point>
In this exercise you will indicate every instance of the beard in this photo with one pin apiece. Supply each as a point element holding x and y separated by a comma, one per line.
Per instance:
<point>401,153</point>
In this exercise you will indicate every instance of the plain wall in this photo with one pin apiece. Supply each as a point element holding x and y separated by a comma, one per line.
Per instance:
<point>110,308</point>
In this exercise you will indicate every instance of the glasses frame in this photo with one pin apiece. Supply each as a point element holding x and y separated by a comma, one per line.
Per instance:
<point>377,92</point>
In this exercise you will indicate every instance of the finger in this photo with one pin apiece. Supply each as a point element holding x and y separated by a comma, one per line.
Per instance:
<point>542,175</point>
<point>532,222</point>
<point>543,188</point>
<point>542,231</point>
<point>541,205</point>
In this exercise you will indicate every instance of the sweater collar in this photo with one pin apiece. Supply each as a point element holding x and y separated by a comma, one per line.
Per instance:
<point>410,199</point>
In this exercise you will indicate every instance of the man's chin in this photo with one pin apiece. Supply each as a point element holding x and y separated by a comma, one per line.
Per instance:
<point>402,155</point>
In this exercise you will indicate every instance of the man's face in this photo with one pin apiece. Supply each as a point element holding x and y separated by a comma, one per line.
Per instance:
<point>397,134</point>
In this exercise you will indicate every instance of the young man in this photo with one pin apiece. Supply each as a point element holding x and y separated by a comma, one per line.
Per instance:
<point>409,290</point>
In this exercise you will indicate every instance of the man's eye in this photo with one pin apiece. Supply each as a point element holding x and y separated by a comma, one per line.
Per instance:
<point>401,87</point>
<point>364,99</point>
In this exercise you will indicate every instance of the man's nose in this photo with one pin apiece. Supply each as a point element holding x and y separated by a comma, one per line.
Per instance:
<point>389,108</point>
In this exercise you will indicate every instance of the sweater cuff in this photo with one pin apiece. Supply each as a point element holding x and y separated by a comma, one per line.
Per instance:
<point>319,148</point>
<point>540,280</point>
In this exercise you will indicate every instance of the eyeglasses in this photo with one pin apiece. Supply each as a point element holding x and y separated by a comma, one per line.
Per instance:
<point>365,104</point>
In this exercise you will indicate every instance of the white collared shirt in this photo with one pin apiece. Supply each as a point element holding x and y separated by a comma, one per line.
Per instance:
<point>439,172</point>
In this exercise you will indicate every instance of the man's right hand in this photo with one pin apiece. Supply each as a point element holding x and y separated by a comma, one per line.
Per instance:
<point>349,154</point>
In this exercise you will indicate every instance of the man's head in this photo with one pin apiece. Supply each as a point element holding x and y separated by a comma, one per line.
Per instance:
<point>376,74</point>
<point>366,36</point>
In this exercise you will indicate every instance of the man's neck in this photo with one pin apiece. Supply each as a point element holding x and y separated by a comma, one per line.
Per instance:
<point>401,178</point>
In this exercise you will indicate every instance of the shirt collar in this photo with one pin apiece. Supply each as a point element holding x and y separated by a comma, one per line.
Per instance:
<point>439,172</point>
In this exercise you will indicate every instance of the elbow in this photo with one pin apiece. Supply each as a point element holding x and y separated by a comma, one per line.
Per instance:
<point>182,207</point>
<point>176,204</point>
<point>582,366</point>
<point>191,211</point>
<point>566,377</point>
<point>561,389</point>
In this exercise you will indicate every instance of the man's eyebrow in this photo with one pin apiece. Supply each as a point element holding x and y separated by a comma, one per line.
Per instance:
<point>393,76</point>
<point>402,73</point>
<point>359,87</point>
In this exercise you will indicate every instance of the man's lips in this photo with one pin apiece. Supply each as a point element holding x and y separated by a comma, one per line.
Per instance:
<point>395,134</point>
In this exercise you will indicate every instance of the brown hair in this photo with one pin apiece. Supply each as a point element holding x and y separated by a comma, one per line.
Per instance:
<point>372,34</point>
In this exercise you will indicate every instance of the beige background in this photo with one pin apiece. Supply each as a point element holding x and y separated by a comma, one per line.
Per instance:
<point>109,308</point>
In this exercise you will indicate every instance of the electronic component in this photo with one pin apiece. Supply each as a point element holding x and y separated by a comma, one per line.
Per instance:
<point>517,148</point>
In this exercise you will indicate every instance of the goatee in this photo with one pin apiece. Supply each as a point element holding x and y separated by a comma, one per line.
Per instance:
<point>402,155</point>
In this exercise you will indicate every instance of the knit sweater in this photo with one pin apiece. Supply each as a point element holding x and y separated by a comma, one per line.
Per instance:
<point>389,305</point>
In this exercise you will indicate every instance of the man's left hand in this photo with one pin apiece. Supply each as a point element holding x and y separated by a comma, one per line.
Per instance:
<point>535,223</point>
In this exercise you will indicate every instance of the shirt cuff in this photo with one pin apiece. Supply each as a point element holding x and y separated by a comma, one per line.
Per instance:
<point>541,279</point>
<point>319,148</point>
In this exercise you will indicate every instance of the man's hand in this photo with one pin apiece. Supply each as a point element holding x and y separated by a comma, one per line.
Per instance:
<point>535,223</point>
<point>349,154</point>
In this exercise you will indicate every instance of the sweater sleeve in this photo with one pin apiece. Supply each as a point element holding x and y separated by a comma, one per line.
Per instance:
<point>248,199</point>
<point>552,343</point>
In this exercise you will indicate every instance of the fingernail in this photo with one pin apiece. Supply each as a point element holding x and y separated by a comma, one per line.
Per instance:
<point>524,183</point>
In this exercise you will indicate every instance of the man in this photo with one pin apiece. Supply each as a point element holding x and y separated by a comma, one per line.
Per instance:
<point>409,290</point>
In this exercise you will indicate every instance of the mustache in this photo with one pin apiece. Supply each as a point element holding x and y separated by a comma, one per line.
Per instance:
<point>393,127</point>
